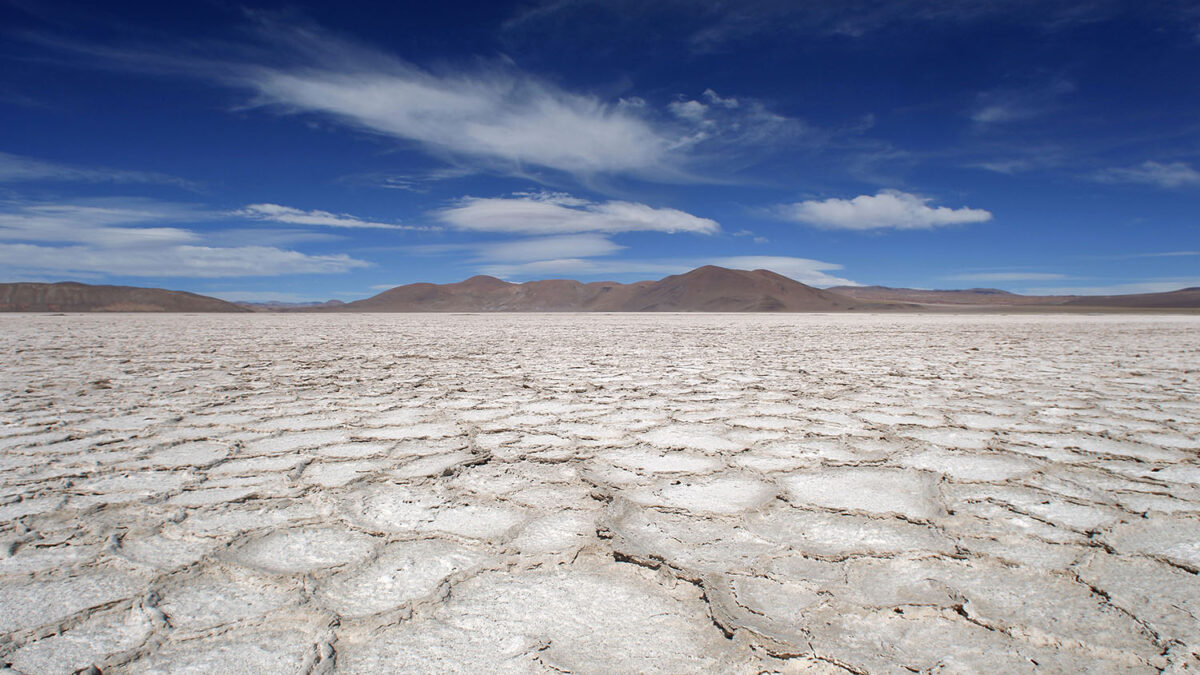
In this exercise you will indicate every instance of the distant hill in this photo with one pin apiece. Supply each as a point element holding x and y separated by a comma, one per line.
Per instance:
<point>277,306</point>
<point>1184,298</point>
<point>969,296</point>
<point>69,296</point>
<point>706,289</point>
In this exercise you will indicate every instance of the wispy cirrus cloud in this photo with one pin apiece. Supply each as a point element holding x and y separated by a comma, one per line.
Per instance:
<point>556,213</point>
<point>502,119</point>
<point>1015,104</point>
<point>293,216</point>
<point>138,237</point>
<point>489,115</point>
<point>1161,254</point>
<point>419,182</point>
<point>547,248</point>
<point>711,25</point>
<point>525,249</point>
<point>887,209</point>
<point>1007,276</point>
<point>1158,174</point>
<point>19,168</point>
<point>731,123</point>
<point>804,270</point>
<point>495,115</point>
<point>101,222</point>
<point>173,261</point>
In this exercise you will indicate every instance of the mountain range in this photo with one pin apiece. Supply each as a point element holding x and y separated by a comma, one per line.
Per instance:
<point>68,296</point>
<point>705,289</point>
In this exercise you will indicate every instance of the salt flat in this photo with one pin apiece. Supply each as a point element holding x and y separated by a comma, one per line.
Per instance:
<point>599,493</point>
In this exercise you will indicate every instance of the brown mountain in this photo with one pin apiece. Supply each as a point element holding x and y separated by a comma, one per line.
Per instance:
<point>1184,298</point>
<point>970,296</point>
<point>706,289</point>
<point>69,296</point>
<point>991,298</point>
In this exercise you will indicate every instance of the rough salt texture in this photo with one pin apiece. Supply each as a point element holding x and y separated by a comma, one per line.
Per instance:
<point>600,493</point>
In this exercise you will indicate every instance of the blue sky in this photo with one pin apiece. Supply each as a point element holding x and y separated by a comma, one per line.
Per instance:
<point>296,152</point>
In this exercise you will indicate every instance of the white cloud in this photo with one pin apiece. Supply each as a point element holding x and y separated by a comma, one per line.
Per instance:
<point>712,97</point>
<point>1172,175</point>
<point>503,119</point>
<point>18,168</point>
<point>1013,104</point>
<point>497,115</point>
<point>287,214</point>
<point>1007,276</point>
<point>101,222</point>
<point>1000,112</point>
<point>888,208</point>
<point>543,248</point>
<point>1007,166</point>
<point>128,237</point>
<point>572,267</point>
<point>804,270</point>
<point>268,236</point>
<point>489,116</point>
<point>410,182</point>
<point>708,26</point>
<point>174,261</point>
<point>553,213</point>
<point>693,111</point>
<point>728,127</point>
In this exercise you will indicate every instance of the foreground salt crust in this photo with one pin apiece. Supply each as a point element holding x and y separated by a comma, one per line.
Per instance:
<point>599,493</point>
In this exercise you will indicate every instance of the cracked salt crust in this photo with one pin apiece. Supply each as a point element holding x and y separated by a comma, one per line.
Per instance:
<point>600,493</point>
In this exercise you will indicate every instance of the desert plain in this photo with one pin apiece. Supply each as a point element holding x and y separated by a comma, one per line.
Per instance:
<point>547,493</point>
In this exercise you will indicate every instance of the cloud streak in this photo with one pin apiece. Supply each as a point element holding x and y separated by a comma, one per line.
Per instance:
<point>1007,276</point>
<point>707,25</point>
<point>18,168</point>
<point>496,115</point>
<point>887,209</point>
<point>1159,174</point>
<point>293,216</point>
<point>138,237</point>
<point>490,116</point>
<point>545,248</point>
<point>174,261</point>
<point>1002,106</point>
<point>107,222</point>
<point>556,213</point>
<point>804,270</point>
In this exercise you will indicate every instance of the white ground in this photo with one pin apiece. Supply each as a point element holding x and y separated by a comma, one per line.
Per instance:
<point>599,493</point>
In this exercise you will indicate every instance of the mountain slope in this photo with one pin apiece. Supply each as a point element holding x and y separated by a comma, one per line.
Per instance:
<point>716,289</point>
<point>69,296</point>
<point>970,296</point>
<point>1184,298</point>
<point>706,289</point>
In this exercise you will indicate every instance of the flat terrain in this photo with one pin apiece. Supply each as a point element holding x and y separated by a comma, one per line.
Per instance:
<point>599,493</point>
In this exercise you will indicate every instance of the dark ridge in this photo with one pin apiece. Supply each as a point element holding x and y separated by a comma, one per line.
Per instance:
<point>70,296</point>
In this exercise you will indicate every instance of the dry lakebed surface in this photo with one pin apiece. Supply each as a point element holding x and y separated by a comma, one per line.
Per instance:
<point>599,493</point>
